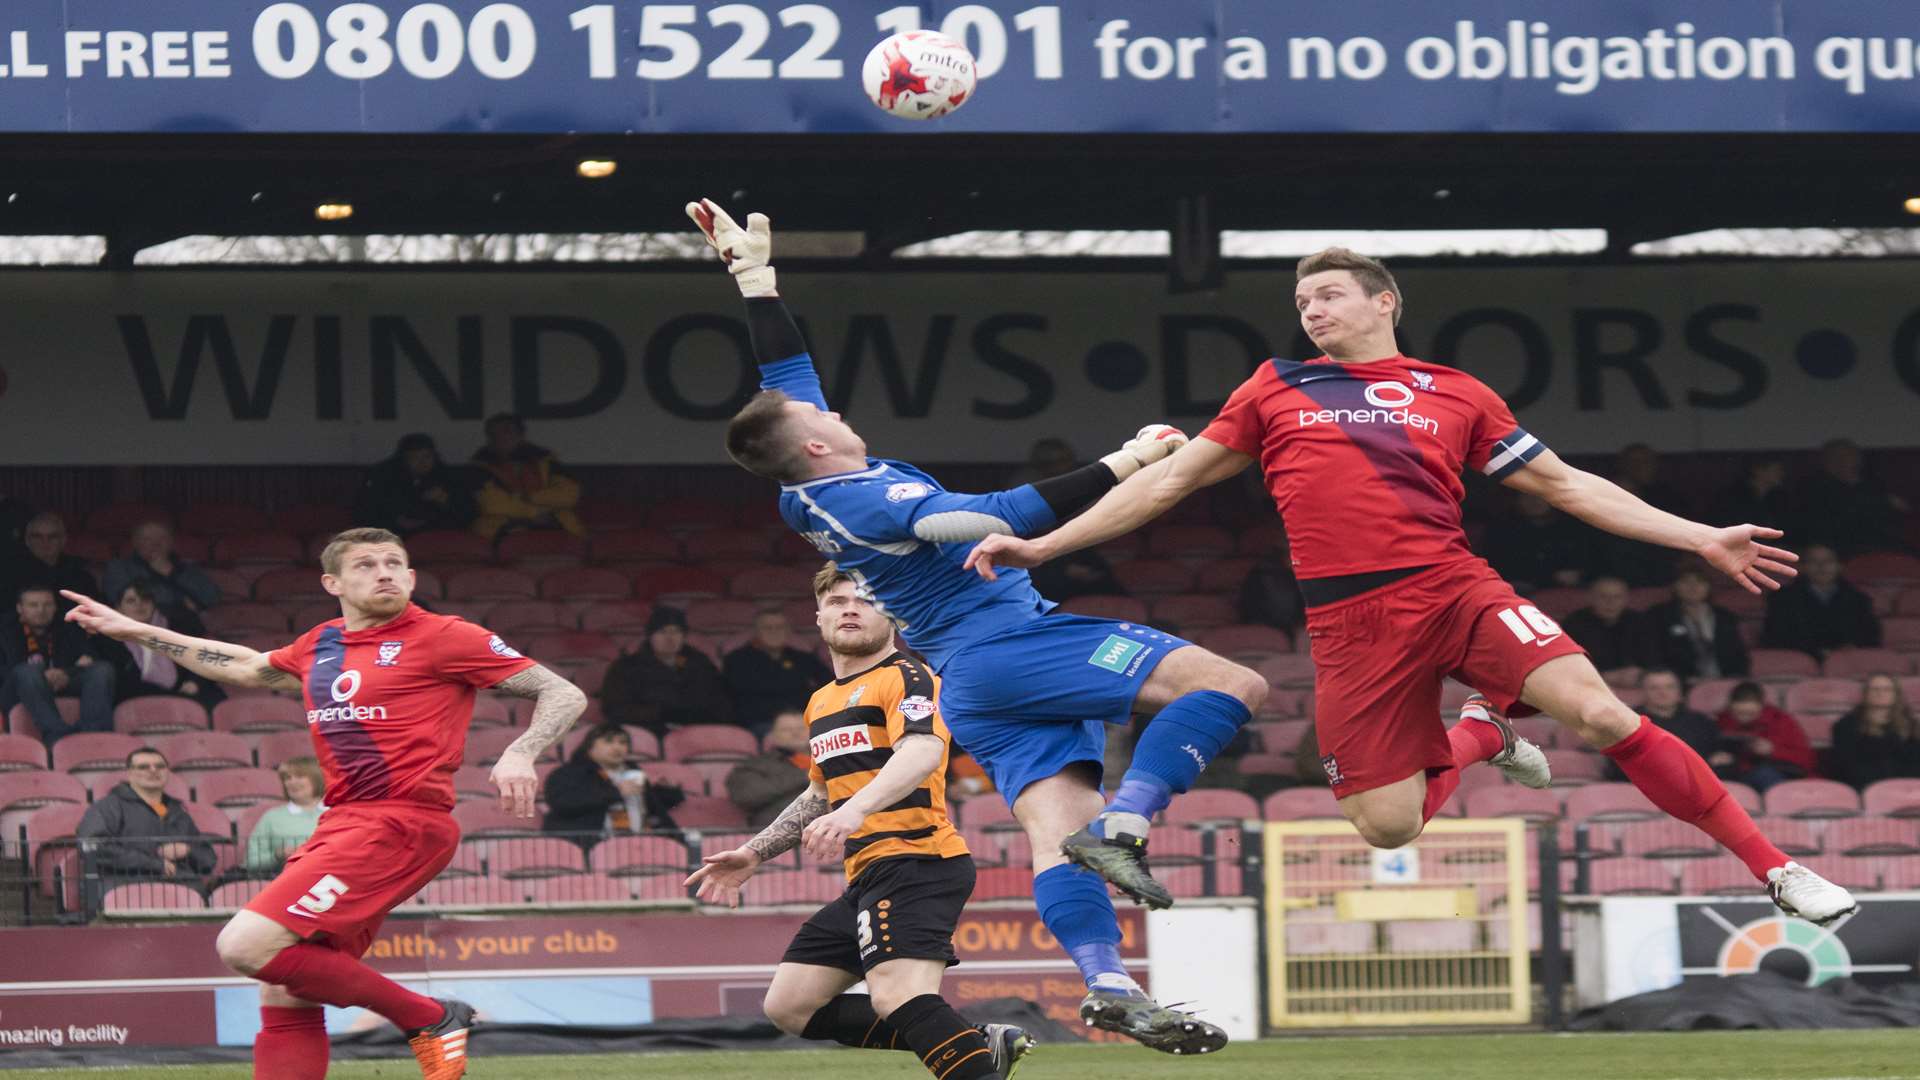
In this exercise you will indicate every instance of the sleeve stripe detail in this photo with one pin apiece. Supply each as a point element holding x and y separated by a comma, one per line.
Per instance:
<point>958,526</point>
<point>1512,452</point>
<point>914,679</point>
<point>906,547</point>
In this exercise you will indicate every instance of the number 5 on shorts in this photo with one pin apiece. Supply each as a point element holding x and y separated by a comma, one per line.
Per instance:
<point>1528,622</point>
<point>322,896</point>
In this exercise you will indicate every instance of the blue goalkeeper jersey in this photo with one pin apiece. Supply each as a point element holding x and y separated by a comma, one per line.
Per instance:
<point>883,524</point>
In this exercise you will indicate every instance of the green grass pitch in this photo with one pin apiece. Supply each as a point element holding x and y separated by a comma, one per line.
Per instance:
<point>1768,1055</point>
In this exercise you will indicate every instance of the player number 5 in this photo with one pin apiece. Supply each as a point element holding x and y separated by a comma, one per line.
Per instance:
<point>324,893</point>
<point>1528,622</point>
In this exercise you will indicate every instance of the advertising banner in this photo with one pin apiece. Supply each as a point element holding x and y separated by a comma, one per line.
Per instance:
<point>250,368</point>
<point>464,66</point>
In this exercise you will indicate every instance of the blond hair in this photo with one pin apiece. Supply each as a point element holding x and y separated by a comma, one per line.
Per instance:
<point>826,578</point>
<point>305,765</point>
<point>1373,276</point>
<point>336,548</point>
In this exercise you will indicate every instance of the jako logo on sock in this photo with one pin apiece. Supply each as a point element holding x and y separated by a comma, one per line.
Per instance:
<point>1194,753</point>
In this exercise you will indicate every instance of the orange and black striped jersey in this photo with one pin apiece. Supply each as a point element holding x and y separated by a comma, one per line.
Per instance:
<point>852,724</point>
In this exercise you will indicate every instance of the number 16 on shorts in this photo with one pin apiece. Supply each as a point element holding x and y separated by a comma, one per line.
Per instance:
<point>319,899</point>
<point>1530,625</point>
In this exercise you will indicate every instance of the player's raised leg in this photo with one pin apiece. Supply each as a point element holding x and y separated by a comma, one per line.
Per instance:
<point>1200,702</point>
<point>1677,781</point>
<point>811,1001</point>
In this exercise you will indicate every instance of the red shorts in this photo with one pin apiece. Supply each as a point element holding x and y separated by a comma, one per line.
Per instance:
<point>362,861</point>
<point>1379,659</point>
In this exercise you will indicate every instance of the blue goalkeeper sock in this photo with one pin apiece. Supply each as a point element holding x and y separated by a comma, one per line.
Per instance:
<point>1078,912</point>
<point>1175,746</point>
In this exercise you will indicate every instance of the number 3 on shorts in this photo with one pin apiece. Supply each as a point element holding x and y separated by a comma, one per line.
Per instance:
<point>322,896</point>
<point>865,926</point>
<point>1528,622</point>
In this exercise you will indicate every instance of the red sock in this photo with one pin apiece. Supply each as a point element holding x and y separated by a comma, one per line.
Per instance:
<point>292,1044</point>
<point>318,973</point>
<point>1473,741</point>
<point>1668,772</point>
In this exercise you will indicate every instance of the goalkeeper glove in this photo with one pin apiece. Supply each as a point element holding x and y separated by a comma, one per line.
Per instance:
<point>745,251</point>
<point>1148,445</point>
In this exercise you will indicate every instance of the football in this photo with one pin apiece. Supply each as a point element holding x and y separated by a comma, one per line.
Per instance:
<point>919,75</point>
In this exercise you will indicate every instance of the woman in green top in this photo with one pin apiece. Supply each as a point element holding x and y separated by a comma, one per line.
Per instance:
<point>284,828</point>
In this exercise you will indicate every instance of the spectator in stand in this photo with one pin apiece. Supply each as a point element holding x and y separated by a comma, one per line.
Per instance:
<point>1540,547</point>
<point>525,486</point>
<point>415,491</point>
<point>1270,595</point>
<point>1875,740</point>
<point>597,787</point>
<point>768,676</point>
<point>1078,573</point>
<point>45,658</point>
<point>764,784</point>
<point>1048,458</point>
<point>1760,498</point>
<point>1620,641</point>
<point>1844,506</point>
<point>143,672</point>
<point>45,561</point>
<point>666,683</point>
<point>1820,611</point>
<point>178,585</point>
<point>284,828</point>
<point>1637,469</point>
<point>14,515</point>
<point>1698,639</point>
<point>137,830</point>
<point>1666,705</point>
<point>1768,744</point>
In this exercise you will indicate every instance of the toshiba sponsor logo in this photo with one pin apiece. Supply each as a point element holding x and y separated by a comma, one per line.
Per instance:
<point>1390,401</point>
<point>851,739</point>
<point>345,685</point>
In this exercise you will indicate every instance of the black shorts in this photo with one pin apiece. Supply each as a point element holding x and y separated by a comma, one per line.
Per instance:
<point>898,909</point>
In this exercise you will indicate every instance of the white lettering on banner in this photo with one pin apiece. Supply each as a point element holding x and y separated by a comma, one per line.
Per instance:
<point>326,367</point>
<point>828,745</point>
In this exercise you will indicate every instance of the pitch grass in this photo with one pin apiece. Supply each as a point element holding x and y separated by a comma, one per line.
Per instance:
<point>1742,1055</point>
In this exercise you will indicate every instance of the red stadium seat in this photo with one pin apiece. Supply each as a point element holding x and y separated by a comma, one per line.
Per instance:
<point>1238,639</point>
<point>455,893</point>
<point>118,519</point>
<point>313,519</point>
<point>1281,736</point>
<point>1630,877</point>
<point>1192,611</point>
<point>1285,702</point>
<point>765,584</point>
<point>289,581</point>
<point>1209,804</point>
<point>585,583</point>
<point>229,788</point>
<point>491,583</point>
<point>1826,696</point>
<point>520,617</point>
<point>792,549</point>
<point>442,546</point>
<point>262,548</point>
<point>694,778</point>
<point>1782,663</point>
<point>277,747</point>
<point>1748,798</point>
<point>151,898</point>
<point>1892,798</point>
<point>1190,542</point>
<point>1812,799</point>
<point>1154,577</point>
<point>1709,696</point>
<point>680,515</point>
<point>1607,802</point>
<point>482,818</point>
<point>93,547</point>
<point>159,714</point>
<point>635,855</point>
<point>1855,873</point>
<point>259,715</point>
<point>580,889</point>
<point>1512,800</point>
<point>1575,766</point>
<point>721,616</point>
<point>1292,670</point>
<point>1265,538</point>
<point>1792,835</point>
<point>616,616</point>
<point>1543,731</point>
<point>18,752</point>
<point>95,751</point>
<point>1901,874</point>
<point>710,742</point>
<point>1123,608</point>
<point>1722,875</point>
<point>989,812</point>
<point>745,545</point>
<point>570,645</point>
<point>1859,663</point>
<point>20,721</point>
<point>241,616</point>
<point>100,785</point>
<point>1871,836</point>
<point>677,584</point>
<point>1224,576</point>
<point>535,857</point>
<point>1902,633</point>
<point>472,782</point>
<point>190,750</point>
<point>1665,839</point>
<point>55,824</point>
<point>1296,804</point>
<point>486,744</point>
<point>709,811</point>
<point>1873,566</point>
<point>542,548</point>
<point>234,895</point>
<point>1907,602</point>
<point>605,512</point>
<point>634,545</point>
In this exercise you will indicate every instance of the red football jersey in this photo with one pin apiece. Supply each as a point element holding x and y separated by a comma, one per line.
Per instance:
<point>389,706</point>
<point>1364,460</point>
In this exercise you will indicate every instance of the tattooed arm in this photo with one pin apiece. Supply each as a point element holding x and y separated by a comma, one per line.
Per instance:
<point>235,665</point>
<point>557,703</point>
<point>722,874</point>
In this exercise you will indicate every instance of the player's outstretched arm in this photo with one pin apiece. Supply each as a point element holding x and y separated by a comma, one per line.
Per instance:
<point>915,756</point>
<point>1139,499</point>
<point>1735,551</point>
<point>722,874</point>
<point>235,665</point>
<point>557,703</point>
<point>777,345</point>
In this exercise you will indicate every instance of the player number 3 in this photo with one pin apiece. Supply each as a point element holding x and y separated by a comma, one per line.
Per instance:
<point>324,893</point>
<point>866,928</point>
<point>1528,622</point>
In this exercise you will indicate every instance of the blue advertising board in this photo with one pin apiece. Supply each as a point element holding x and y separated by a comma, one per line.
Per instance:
<point>1076,66</point>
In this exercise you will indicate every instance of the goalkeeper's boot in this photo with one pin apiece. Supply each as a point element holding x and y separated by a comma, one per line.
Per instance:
<point>1524,763</point>
<point>1122,860</point>
<point>441,1049</point>
<point>1009,1044</point>
<point>1133,1014</point>
<point>1799,891</point>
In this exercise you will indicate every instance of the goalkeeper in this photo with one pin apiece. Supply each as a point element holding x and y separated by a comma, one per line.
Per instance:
<point>1026,690</point>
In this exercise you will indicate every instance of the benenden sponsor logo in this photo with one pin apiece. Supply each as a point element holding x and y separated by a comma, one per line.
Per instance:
<point>851,739</point>
<point>1390,401</point>
<point>345,685</point>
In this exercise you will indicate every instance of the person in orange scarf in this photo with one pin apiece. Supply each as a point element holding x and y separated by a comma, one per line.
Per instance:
<point>525,486</point>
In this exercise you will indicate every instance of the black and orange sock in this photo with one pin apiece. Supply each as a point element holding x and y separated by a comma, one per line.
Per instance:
<point>949,1047</point>
<point>850,1021</point>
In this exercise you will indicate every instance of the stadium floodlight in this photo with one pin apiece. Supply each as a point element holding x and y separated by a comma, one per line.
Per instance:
<point>333,211</point>
<point>1913,205</point>
<point>596,169</point>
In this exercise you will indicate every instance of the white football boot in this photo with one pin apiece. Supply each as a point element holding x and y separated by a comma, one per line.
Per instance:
<point>1799,891</point>
<point>1523,763</point>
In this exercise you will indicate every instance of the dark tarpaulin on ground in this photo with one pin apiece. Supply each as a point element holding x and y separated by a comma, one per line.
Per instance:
<point>1761,1000</point>
<point>499,1040</point>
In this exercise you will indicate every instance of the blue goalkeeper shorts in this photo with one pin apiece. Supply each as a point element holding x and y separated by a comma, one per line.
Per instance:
<point>1030,701</point>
